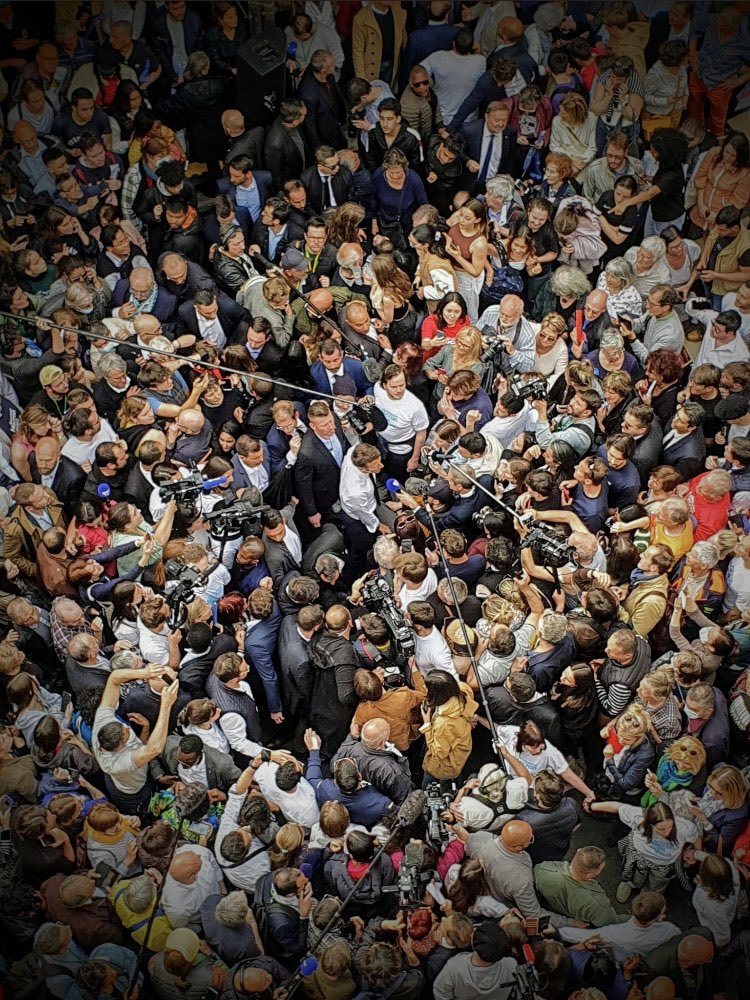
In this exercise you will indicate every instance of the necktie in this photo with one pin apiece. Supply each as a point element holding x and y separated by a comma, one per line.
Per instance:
<point>328,193</point>
<point>488,156</point>
<point>331,448</point>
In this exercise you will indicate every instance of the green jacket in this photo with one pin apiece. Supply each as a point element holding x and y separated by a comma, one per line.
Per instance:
<point>586,901</point>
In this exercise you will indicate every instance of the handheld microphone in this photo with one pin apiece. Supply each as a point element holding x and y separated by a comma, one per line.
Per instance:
<point>104,492</point>
<point>412,808</point>
<point>392,485</point>
<point>308,966</point>
<point>210,484</point>
<point>263,262</point>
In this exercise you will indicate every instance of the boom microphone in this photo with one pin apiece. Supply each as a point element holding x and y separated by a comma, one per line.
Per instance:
<point>412,808</point>
<point>373,371</point>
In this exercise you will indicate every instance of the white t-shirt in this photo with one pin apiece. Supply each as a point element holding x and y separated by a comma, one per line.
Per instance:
<point>658,851</point>
<point>213,589</point>
<point>433,653</point>
<point>406,417</point>
<point>181,902</point>
<point>154,647</point>
<point>427,586</point>
<point>244,876</point>
<point>119,765</point>
<point>550,759</point>
<point>493,669</point>
<point>728,302</point>
<point>299,806</point>
<point>85,451</point>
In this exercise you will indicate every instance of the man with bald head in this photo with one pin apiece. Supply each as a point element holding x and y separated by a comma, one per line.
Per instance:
<point>29,156</point>
<point>376,759</point>
<point>193,876</point>
<point>507,324</point>
<point>70,900</point>
<point>133,53</point>
<point>240,140</point>
<point>139,294</point>
<point>595,318</point>
<point>508,868</point>
<point>50,468</point>
<point>688,961</point>
<point>190,435</point>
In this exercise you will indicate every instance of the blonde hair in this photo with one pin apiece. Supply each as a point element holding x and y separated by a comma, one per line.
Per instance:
<point>732,784</point>
<point>674,511</point>
<point>660,681</point>
<point>574,108</point>
<point>553,321</point>
<point>476,350</point>
<point>634,721</point>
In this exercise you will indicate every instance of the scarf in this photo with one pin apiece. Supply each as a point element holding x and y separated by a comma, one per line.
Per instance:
<point>670,777</point>
<point>638,576</point>
<point>291,901</point>
<point>356,869</point>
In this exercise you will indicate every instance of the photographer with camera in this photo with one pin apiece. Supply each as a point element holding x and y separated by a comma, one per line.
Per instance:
<point>510,337</point>
<point>577,426</point>
<point>379,700</point>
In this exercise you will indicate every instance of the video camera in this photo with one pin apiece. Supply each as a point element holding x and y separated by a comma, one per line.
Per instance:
<point>185,579</point>
<point>378,598</point>
<point>548,549</point>
<point>438,802</point>
<point>528,388</point>
<point>228,522</point>
<point>411,881</point>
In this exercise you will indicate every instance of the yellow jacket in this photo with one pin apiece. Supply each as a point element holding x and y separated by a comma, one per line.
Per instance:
<point>448,736</point>
<point>646,604</point>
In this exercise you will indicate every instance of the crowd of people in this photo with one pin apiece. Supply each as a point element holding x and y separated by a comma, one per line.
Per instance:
<point>374,500</point>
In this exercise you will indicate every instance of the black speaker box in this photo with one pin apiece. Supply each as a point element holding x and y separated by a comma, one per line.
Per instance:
<point>261,77</point>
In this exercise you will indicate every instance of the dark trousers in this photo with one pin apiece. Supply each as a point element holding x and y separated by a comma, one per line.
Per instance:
<point>131,805</point>
<point>359,541</point>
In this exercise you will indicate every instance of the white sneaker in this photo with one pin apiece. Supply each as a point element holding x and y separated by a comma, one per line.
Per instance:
<point>624,891</point>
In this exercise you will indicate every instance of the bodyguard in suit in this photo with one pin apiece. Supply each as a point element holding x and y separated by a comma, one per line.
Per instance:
<point>251,464</point>
<point>295,634</point>
<point>490,143</point>
<point>289,419</point>
<point>321,125</point>
<point>202,650</point>
<point>50,468</point>
<point>684,444</point>
<point>183,754</point>
<point>242,141</point>
<point>328,182</point>
<point>139,485</point>
<point>286,156</point>
<point>318,468</point>
<point>246,188</point>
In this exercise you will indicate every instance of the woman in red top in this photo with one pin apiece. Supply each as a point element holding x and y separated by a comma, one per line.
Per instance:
<point>444,324</point>
<point>710,502</point>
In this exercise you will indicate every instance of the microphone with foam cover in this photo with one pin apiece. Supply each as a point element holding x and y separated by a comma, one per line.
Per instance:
<point>373,371</point>
<point>412,807</point>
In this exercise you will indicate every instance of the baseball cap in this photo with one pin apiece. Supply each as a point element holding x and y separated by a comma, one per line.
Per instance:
<point>48,374</point>
<point>439,490</point>
<point>344,385</point>
<point>456,634</point>
<point>490,943</point>
<point>294,260</point>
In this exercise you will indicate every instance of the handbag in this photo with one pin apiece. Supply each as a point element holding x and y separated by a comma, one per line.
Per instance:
<point>505,280</point>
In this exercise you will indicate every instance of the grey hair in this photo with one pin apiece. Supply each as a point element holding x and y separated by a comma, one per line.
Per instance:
<point>706,553</point>
<point>319,59</point>
<point>347,259</point>
<point>654,245</point>
<point>384,552</point>
<point>611,340</point>
<point>620,268</point>
<point>127,659</point>
<point>111,363</point>
<point>78,294</point>
<point>501,186</point>
<point>567,280</point>
<point>80,644</point>
<point>140,894</point>
<point>231,910</point>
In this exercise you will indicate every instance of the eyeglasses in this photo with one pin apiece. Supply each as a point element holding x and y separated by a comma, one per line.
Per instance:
<point>420,83</point>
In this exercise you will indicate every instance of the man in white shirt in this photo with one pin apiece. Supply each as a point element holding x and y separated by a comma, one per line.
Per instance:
<point>407,427</point>
<point>432,651</point>
<point>722,342</point>
<point>360,523</point>
<point>207,313</point>
<point>512,416</point>
<point>454,73</point>
<point>285,786</point>
<point>239,852</point>
<point>156,641</point>
<point>647,929</point>
<point>193,876</point>
<point>86,431</point>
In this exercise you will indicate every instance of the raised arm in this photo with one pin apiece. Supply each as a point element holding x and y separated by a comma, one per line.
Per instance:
<point>158,737</point>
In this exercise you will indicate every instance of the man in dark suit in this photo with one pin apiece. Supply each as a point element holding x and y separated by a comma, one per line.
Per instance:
<point>242,141</point>
<point>325,106</point>
<point>688,961</point>
<point>130,294</point>
<point>260,344</point>
<point>189,751</point>
<point>251,455</point>
<point>684,444</point>
<point>294,659</point>
<point>334,365</point>
<point>50,468</point>
<point>139,484</point>
<point>261,635</point>
<point>328,183</point>
<point>274,231</point>
<point>279,539</point>
<point>639,422</point>
<point>181,277</point>
<point>201,315</point>
<point>202,650</point>
<point>245,187</point>
<point>318,468</point>
<point>285,148</point>
<point>490,143</point>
